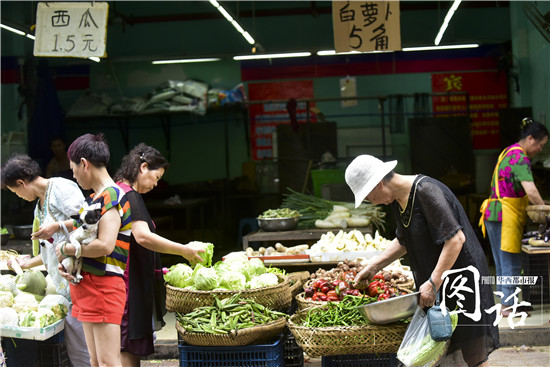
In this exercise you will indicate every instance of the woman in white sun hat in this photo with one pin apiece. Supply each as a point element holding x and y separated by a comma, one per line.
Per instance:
<point>433,229</point>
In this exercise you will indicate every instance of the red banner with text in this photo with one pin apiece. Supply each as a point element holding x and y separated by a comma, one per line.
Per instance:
<point>487,91</point>
<point>264,117</point>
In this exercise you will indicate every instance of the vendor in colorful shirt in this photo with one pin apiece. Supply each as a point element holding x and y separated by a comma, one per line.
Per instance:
<point>99,298</point>
<point>503,214</point>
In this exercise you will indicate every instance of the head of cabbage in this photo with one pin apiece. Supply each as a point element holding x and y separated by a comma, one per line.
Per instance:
<point>206,279</point>
<point>264,280</point>
<point>206,256</point>
<point>258,267</point>
<point>233,280</point>
<point>221,268</point>
<point>179,275</point>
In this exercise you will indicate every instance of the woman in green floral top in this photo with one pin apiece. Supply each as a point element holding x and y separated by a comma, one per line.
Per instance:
<point>504,213</point>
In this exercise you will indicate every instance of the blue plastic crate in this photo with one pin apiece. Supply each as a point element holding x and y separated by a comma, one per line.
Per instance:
<point>367,359</point>
<point>53,355</point>
<point>294,354</point>
<point>264,355</point>
<point>20,352</point>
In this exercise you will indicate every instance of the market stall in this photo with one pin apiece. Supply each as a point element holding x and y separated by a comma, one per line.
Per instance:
<point>230,316</point>
<point>32,318</point>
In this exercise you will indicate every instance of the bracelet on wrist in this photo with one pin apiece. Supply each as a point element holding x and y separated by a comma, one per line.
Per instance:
<point>61,249</point>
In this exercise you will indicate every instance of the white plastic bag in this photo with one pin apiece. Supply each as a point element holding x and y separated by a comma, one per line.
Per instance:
<point>418,348</point>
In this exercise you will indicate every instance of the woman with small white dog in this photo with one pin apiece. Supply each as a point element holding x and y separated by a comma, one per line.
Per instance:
<point>100,296</point>
<point>139,173</point>
<point>58,199</point>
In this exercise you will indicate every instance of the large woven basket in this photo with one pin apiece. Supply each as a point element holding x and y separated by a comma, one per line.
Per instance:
<point>182,300</point>
<point>296,286</point>
<point>253,335</point>
<point>303,303</point>
<point>409,284</point>
<point>338,340</point>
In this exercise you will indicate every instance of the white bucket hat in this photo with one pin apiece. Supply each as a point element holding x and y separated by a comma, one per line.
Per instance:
<point>364,173</point>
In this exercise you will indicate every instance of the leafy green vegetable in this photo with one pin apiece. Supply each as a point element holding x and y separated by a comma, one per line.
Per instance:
<point>258,267</point>
<point>206,279</point>
<point>279,213</point>
<point>179,275</point>
<point>3,230</point>
<point>206,256</point>
<point>221,268</point>
<point>34,281</point>
<point>233,280</point>
<point>264,280</point>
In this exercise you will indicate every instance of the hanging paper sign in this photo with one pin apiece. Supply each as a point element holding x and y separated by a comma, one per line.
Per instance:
<point>366,26</point>
<point>76,29</point>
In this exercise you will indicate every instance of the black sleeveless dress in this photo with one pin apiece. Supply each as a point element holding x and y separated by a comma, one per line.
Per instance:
<point>432,216</point>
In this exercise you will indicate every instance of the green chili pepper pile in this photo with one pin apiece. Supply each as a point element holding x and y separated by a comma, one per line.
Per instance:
<point>229,314</point>
<point>339,313</point>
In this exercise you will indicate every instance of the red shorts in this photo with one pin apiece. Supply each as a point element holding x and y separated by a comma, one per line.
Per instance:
<point>99,299</point>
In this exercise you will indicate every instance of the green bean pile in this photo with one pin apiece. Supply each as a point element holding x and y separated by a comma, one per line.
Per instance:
<point>227,315</point>
<point>344,313</point>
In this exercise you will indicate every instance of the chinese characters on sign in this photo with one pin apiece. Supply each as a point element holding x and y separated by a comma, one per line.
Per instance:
<point>366,26</point>
<point>457,290</point>
<point>71,29</point>
<point>264,117</point>
<point>487,93</point>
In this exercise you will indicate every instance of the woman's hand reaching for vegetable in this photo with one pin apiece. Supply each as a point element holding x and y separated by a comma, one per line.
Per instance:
<point>363,277</point>
<point>192,254</point>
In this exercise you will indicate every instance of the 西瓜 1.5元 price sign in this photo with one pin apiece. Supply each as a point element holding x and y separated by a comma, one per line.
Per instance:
<point>76,29</point>
<point>366,26</point>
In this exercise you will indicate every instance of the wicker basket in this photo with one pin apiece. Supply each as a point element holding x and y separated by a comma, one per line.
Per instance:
<point>409,284</point>
<point>303,275</point>
<point>328,341</point>
<point>297,286</point>
<point>253,335</point>
<point>303,303</point>
<point>182,300</point>
<point>538,213</point>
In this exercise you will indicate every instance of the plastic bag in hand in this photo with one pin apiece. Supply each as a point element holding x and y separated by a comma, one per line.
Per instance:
<point>418,348</point>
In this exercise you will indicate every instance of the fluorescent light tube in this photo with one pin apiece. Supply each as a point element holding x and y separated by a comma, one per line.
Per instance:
<point>225,13</point>
<point>181,61</point>
<point>444,47</point>
<point>94,58</point>
<point>422,48</point>
<point>446,21</point>
<point>333,52</point>
<point>30,36</point>
<point>17,31</point>
<point>249,38</point>
<point>272,56</point>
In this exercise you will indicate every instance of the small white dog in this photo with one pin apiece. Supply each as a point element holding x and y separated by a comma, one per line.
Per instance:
<point>83,235</point>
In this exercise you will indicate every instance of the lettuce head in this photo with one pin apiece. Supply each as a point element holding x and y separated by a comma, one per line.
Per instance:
<point>264,280</point>
<point>258,267</point>
<point>233,280</point>
<point>221,268</point>
<point>179,275</point>
<point>206,279</point>
<point>206,256</point>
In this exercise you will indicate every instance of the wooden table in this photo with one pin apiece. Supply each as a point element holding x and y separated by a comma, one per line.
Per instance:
<point>296,235</point>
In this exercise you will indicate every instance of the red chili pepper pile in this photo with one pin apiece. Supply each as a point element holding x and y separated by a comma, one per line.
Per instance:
<point>336,290</point>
